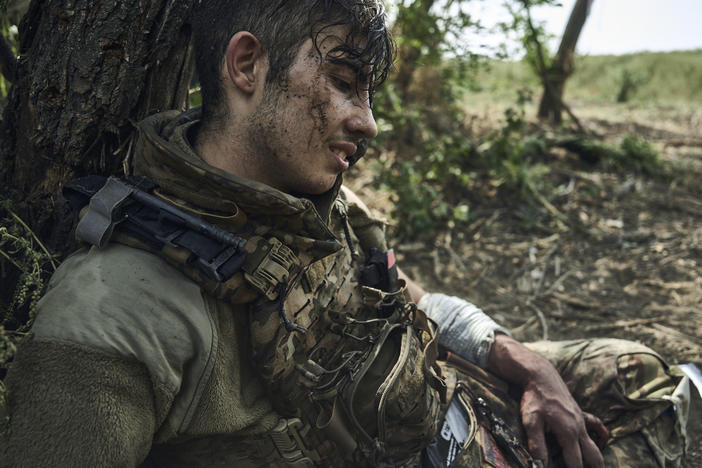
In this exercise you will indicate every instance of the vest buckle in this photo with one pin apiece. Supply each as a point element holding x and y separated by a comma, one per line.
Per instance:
<point>288,437</point>
<point>268,265</point>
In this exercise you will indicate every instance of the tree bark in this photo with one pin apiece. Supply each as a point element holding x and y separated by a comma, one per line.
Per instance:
<point>8,61</point>
<point>87,70</point>
<point>551,105</point>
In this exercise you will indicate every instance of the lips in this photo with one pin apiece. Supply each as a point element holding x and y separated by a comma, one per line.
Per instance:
<point>342,150</point>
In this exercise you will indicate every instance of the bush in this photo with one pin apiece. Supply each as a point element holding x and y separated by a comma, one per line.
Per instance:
<point>428,158</point>
<point>24,264</point>
<point>426,166</point>
<point>638,154</point>
<point>632,154</point>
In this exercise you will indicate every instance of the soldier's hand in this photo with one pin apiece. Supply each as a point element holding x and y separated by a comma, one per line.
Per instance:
<point>547,406</point>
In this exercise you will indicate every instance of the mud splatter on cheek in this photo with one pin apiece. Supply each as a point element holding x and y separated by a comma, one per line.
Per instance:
<point>318,109</point>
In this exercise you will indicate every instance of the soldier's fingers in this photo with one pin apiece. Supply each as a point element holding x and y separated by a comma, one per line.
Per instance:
<point>591,454</point>
<point>536,437</point>
<point>596,429</point>
<point>571,450</point>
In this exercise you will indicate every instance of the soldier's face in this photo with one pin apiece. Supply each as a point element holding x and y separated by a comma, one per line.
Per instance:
<point>305,128</point>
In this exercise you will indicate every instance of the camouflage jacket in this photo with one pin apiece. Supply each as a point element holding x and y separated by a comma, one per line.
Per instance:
<point>178,370</point>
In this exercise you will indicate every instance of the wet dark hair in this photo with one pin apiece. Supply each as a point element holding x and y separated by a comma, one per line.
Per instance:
<point>282,26</point>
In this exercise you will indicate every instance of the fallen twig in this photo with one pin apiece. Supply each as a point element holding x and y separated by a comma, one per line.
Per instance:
<point>624,323</point>
<point>558,282</point>
<point>549,254</point>
<point>682,142</point>
<point>475,227</point>
<point>561,219</point>
<point>678,335</point>
<point>542,319</point>
<point>673,309</point>
<point>671,284</point>
<point>454,256</point>
<point>574,301</point>
<point>437,263</point>
<point>526,325</point>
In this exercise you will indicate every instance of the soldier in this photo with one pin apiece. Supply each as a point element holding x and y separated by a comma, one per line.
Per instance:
<point>239,306</point>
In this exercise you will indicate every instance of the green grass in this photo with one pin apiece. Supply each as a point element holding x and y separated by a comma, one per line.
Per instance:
<point>658,79</point>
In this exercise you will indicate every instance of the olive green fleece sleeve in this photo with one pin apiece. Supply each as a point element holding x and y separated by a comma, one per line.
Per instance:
<point>128,302</point>
<point>72,405</point>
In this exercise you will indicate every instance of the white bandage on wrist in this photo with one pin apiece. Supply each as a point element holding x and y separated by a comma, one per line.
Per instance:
<point>463,327</point>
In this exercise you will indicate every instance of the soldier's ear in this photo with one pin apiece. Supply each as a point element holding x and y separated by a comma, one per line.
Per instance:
<point>244,59</point>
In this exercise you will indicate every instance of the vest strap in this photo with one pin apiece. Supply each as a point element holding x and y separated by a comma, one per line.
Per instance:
<point>218,254</point>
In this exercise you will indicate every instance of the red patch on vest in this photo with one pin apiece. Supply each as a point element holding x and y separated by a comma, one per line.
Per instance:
<point>391,258</point>
<point>491,451</point>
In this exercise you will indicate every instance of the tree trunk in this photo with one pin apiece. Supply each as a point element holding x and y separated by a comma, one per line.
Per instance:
<point>87,71</point>
<point>551,105</point>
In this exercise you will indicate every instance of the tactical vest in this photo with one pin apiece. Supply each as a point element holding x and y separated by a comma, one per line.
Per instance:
<point>363,374</point>
<point>350,367</point>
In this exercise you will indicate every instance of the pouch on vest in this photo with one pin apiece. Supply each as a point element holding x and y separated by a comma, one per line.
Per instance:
<point>394,398</point>
<point>498,438</point>
<point>457,432</point>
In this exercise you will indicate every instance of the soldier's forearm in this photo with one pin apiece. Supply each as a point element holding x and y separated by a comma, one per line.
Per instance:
<point>463,327</point>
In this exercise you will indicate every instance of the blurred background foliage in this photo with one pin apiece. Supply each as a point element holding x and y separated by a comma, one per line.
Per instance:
<point>431,151</point>
<point>11,12</point>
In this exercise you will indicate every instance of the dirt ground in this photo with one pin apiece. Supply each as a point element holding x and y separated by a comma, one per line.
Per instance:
<point>628,264</point>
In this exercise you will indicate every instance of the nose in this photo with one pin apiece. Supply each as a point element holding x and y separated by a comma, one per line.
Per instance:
<point>361,122</point>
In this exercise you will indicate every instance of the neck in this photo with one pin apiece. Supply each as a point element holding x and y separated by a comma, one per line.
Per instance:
<point>223,147</point>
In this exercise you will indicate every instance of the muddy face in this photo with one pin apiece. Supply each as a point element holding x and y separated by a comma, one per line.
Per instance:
<point>305,128</point>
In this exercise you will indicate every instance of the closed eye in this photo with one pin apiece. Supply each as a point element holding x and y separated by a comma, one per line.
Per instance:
<point>342,85</point>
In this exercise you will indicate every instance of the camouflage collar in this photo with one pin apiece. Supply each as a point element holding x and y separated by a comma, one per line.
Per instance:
<point>164,154</point>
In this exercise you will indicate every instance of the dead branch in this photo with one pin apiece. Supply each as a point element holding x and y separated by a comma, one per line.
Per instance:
<point>549,254</point>
<point>542,320</point>
<point>624,323</point>
<point>475,227</point>
<point>525,326</point>
<point>574,301</point>
<point>671,285</point>
<point>437,264</point>
<point>454,256</point>
<point>683,142</point>
<point>674,310</point>
<point>558,282</point>
<point>678,335</point>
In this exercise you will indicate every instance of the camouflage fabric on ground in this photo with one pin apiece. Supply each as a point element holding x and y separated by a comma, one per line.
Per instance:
<point>632,390</point>
<point>641,400</point>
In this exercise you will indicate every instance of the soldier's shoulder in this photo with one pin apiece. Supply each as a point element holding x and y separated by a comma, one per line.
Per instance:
<point>116,260</point>
<point>118,277</point>
<point>127,302</point>
<point>368,225</point>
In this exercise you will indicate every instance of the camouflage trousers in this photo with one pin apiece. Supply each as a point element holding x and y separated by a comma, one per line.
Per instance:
<point>642,401</point>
